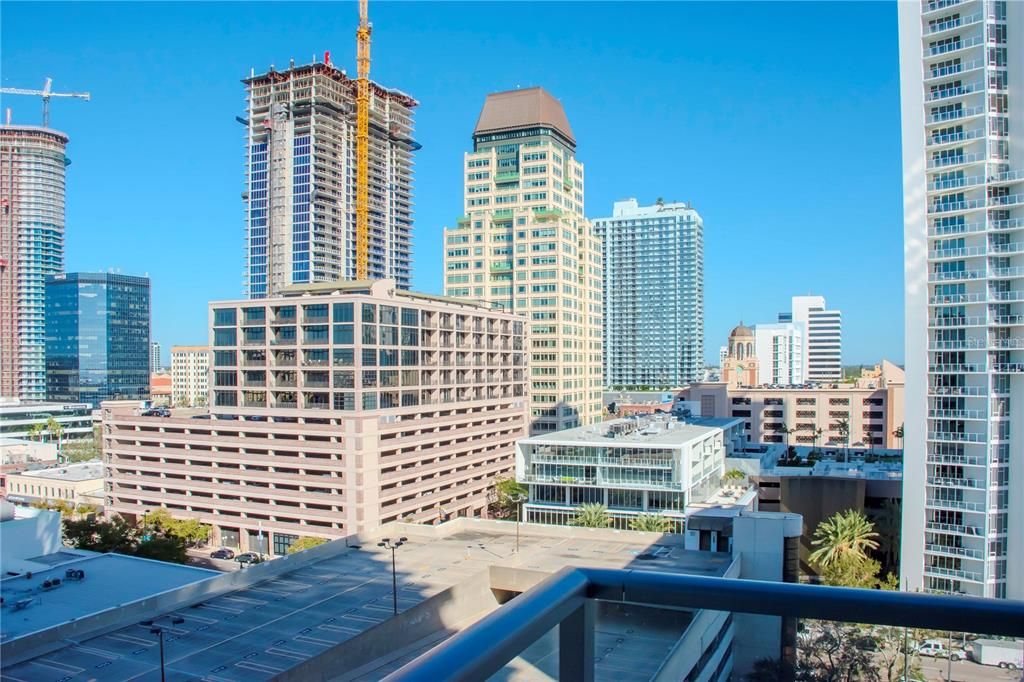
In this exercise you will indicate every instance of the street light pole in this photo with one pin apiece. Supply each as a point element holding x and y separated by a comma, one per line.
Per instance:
<point>517,499</point>
<point>159,632</point>
<point>387,544</point>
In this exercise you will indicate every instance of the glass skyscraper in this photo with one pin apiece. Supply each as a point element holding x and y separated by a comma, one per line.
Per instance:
<point>653,294</point>
<point>97,337</point>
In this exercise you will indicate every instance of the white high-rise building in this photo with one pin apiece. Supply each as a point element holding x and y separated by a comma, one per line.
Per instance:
<point>154,357</point>
<point>962,76</point>
<point>653,259</point>
<point>780,353</point>
<point>823,337</point>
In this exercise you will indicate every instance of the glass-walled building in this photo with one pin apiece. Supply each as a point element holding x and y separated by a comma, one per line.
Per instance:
<point>655,465</point>
<point>653,294</point>
<point>97,337</point>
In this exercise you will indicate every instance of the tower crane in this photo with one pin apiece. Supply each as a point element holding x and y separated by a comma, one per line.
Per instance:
<point>46,93</point>
<point>363,142</point>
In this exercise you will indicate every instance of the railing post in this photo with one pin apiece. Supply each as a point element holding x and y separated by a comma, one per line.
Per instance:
<point>576,644</point>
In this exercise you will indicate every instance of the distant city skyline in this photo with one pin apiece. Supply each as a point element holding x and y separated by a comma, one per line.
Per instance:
<point>157,154</point>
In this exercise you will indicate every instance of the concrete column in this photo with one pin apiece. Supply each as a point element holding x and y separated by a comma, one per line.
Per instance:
<point>576,644</point>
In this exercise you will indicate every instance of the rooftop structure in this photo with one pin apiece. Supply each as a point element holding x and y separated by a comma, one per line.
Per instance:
<point>75,484</point>
<point>523,244</point>
<point>872,410</point>
<point>961,75</point>
<point>334,407</point>
<point>33,163</point>
<point>653,264</point>
<point>327,611</point>
<point>301,175</point>
<point>650,464</point>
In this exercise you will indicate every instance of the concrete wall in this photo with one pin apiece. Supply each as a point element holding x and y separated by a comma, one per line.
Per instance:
<point>28,537</point>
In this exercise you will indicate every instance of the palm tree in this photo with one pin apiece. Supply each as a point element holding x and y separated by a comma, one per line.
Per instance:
<point>594,515</point>
<point>843,427</point>
<point>36,431</point>
<point>55,430</point>
<point>650,523</point>
<point>843,535</point>
<point>899,435</point>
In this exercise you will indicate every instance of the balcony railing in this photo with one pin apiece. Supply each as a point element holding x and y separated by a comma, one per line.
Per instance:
<point>954,551</point>
<point>953,47</point>
<point>567,600</point>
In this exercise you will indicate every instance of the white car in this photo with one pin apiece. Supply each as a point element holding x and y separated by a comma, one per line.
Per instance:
<point>937,649</point>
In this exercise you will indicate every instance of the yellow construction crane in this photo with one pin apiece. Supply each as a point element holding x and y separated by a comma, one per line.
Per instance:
<point>363,142</point>
<point>46,93</point>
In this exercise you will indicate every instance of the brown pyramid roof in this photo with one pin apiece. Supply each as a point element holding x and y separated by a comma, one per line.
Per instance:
<point>526,108</point>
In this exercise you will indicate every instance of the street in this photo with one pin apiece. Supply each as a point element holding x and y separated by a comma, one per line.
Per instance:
<point>935,669</point>
<point>201,558</point>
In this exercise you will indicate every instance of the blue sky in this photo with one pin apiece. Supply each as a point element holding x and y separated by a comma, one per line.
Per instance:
<point>779,122</point>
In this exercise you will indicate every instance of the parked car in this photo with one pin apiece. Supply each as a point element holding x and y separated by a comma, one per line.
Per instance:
<point>247,558</point>
<point>936,648</point>
<point>1005,653</point>
<point>157,412</point>
<point>222,553</point>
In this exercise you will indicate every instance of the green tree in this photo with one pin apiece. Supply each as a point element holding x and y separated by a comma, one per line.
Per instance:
<point>163,548</point>
<point>306,542</point>
<point>733,476</point>
<point>650,523</point>
<point>844,534</point>
<point>189,531</point>
<point>594,515</point>
<point>56,431</point>
<point>157,520</point>
<point>843,427</point>
<point>506,490</point>
<point>36,431</point>
<point>81,451</point>
<point>97,535</point>
<point>898,433</point>
<point>888,521</point>
<point>852,571</point>
<point>833,652</point>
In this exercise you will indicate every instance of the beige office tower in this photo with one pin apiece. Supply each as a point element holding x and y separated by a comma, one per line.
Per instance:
<point>334,408</point>
<point>190,371</point>
<point>524,245</point>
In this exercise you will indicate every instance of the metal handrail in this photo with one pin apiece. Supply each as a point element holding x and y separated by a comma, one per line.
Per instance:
<point>563,599</point>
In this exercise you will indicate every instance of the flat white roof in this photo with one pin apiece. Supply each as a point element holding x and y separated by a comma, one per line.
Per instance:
<point>84,471</point>
<point>666,431</point>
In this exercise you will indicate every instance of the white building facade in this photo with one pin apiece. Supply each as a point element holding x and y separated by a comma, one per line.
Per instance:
<point>154,357</point>
<point>654,465</point>
<point>190,375</point>
<point>653,258</point>
<point>823,337</point>
<point>962,73</point>
<point>780,353</point>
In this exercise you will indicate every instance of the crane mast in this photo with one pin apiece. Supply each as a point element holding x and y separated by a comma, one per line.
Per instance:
<point>363,142</point>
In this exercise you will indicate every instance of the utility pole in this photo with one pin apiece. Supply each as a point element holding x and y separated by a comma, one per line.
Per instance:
<point>387,544</point>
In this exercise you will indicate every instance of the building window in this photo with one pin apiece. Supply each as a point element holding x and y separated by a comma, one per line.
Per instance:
<point>224,317</point>
<point>282,542</point>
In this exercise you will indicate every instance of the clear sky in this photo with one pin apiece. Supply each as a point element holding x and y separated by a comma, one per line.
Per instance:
<point>779,122</point>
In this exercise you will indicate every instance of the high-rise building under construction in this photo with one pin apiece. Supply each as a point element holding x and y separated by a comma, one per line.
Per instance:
<point>32,164</point>
<point>524,245</point>
<point>301,173</point>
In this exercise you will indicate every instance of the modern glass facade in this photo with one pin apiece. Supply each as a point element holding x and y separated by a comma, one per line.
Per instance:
<point>962,65</point>
<point>97,337</point>
<point>632,466</point>
<point>653,294</point>
<point>32,172</point>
